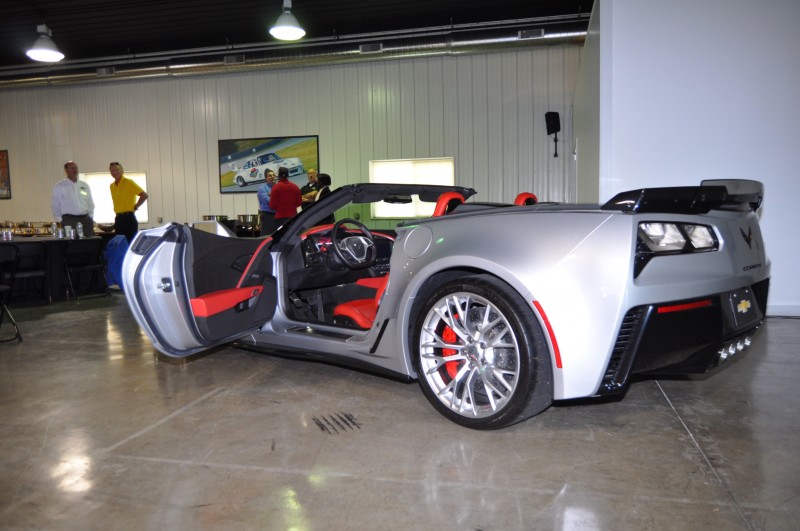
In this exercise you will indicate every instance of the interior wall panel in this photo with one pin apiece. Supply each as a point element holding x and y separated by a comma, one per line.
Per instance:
<point>487,111</point>
<point>524,95</point>
<point>311,104</point>
<point>481,133</point>
<point>338,155</point>
<point>511,112</point>
<point>379,110</point>
<point>200,164</point>
<point>542,144</point>
<point>210,137</point>
<point>450,117</point>
<point>556,102</point>
<point>195,161</point>
<point>465,160</point>
<point>496,171</point>
<point>406,123</point>
<point>325,120</point>
<point>421,110</point>
<point>436,91</point>
<point>393,112</point>
<point>365,110</point>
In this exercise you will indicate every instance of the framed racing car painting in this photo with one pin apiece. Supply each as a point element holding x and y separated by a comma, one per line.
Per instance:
<point>244,162</point>
<point>5,176</point>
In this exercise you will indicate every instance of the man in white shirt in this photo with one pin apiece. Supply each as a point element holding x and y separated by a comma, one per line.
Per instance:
<point>72,201</point>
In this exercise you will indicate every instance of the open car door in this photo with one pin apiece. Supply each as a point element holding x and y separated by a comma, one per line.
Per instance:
<point>191,290</point>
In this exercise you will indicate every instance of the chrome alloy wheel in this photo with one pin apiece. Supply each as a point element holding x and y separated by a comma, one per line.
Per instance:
<point>469,355</point>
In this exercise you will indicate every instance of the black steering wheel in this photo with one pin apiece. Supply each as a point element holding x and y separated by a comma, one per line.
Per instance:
<point>355,252</point>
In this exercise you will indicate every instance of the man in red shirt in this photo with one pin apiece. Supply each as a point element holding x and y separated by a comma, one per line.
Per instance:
<point>285,198</point>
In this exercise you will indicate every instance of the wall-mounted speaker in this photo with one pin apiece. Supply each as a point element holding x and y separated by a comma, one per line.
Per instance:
<point>553,122</point>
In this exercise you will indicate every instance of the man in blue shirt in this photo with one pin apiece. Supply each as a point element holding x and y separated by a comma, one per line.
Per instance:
<point>266,215</point>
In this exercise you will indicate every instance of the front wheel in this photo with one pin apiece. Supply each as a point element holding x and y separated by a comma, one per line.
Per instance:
<point>481,355</point>
<point>240,181</point>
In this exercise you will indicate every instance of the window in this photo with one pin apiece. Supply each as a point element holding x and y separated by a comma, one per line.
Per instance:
<point>439,171</point>
<point>101,195</point>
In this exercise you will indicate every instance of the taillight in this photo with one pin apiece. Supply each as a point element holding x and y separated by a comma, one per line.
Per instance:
<point>664,238</point>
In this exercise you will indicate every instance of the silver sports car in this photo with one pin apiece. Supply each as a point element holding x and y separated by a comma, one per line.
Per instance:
<point>496,309</point>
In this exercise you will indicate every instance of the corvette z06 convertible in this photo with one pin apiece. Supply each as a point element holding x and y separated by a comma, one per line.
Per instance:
<point>496,309</point>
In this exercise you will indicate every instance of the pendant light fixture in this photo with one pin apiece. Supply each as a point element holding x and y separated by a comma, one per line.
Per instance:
<point>286,28</point>
<point>44,49</point>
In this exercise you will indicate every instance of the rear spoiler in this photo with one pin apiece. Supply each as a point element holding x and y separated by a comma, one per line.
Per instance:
<point>717,194</point>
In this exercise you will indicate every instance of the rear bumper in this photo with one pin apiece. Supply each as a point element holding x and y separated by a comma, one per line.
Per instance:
<point>685,337</point>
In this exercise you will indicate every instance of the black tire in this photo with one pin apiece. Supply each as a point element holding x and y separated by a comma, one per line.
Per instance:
<point>482,385</point>
<point>240,181</point>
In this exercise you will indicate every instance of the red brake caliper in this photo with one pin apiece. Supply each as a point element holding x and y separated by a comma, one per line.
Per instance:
<point>450,336</point>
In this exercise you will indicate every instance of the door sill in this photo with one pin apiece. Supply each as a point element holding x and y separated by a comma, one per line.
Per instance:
<point>311,331</point>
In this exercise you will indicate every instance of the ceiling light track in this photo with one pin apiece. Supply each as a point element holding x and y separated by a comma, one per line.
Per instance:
<point>439,40</point>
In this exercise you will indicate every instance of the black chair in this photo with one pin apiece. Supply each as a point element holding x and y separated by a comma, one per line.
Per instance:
<point>85,256</point>
<point>33,268</point>
<point>9,259</point>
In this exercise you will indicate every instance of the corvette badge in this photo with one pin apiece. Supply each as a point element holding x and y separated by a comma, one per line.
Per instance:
<point>748,236</point>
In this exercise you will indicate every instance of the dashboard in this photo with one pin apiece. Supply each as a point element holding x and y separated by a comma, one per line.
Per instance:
<point>323,268</point>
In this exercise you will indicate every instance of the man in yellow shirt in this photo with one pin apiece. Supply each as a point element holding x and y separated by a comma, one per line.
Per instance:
<point>127,197</point>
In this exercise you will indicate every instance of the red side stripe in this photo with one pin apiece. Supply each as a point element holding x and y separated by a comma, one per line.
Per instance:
<point>556,350</point>
<point>683,307</point>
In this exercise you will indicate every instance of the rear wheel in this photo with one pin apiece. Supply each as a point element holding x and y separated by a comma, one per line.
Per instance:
<point>481,356</point>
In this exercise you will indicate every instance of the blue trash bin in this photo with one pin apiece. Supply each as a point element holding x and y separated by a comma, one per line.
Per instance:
<point>115,255</point>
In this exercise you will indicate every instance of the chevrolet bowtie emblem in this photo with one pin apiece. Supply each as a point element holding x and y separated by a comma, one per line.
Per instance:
<point>743,306</point>
<point>748,236</point>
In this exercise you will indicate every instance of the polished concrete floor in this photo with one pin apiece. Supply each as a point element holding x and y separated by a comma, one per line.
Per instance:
<point>97,431</point>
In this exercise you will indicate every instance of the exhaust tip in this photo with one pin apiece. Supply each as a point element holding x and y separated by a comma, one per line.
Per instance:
<point>733,347</point>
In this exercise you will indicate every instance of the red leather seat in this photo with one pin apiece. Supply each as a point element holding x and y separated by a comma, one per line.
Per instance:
<point>447,202</point>
<point>362,311</point>
<point>526,198</point>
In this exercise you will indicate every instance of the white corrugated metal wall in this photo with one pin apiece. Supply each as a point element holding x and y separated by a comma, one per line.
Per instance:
<point>487,111</point>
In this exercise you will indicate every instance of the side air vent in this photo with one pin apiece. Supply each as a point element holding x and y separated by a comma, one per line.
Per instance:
<point>619,365</point>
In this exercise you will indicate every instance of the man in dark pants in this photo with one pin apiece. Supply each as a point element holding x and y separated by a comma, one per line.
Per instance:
<point>266,215</point>
<point>72,202</point>
<point>127,197</point>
